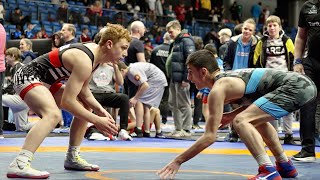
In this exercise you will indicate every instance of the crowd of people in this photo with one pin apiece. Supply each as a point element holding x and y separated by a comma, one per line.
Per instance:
<point>116,70</point>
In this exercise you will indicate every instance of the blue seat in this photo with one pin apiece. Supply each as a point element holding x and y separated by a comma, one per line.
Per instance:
<point>11,1</point>
<point>11,26</point>
<point>44,16</point>
<point>34,21</point>
<point>47,23</point>
<point>55,23</point>
<point>71,3</point>
<point>92,27</point>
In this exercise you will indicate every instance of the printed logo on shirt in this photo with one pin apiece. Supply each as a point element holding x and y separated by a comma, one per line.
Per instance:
<point>245,54</point>
<point>137,77</point>
<point>275,50</point>
<point>313,10</point>
<point>314,24</point>
<point>162,53</point>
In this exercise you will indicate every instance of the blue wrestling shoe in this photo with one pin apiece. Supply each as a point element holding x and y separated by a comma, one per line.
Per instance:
<point>267,173</point>
<point>286,169</point>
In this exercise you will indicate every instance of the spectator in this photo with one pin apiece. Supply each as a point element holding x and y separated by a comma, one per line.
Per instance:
<point>239,55</point>
<point>94,12</point>
<point>69,33</point>
<point>197,108</point>
<point>156,120</point>
<point>29,33</point>
<point>241,48</point>
<point>256,11</point>
<point>211,37</point>
<point>26,49</point>
<point>168,11</point>
<point>136,54</point>
<point>62,13</point>
<point>38,35</point>
<point>102,85</point>
<point>205,9</point>
<point>159,57</point>
<point>238,29</point>
<point>44,33</point>
<point>17,34</point>
<point>84,35</point>
<point>18,19</point>
<point>147,49</point>
<point>151,82</point>
<point>224,37</point>
<point>10,98</point>
<point>179,88</point>
<point>180,13</point>
<point>57,40</point>
<point>236,11</point>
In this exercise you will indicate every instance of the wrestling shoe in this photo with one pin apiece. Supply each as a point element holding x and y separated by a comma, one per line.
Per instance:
<point>20,169</point>
<point>160,135</point>
<point>266,173</point>
<point>286,169</point>
<point>79,164</point>
<point>304,156</point>
<point>123,135</point>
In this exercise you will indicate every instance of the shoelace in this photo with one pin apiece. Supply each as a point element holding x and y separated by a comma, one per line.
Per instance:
<point>82,161</point>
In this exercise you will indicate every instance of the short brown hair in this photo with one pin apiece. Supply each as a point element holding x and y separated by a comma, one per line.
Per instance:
<point>273,18</point>
<point>14,52</point>
<point>122,65</point>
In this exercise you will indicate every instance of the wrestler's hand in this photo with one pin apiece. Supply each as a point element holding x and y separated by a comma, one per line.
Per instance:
<point>106,125</point>
<point>227,118</point>
<point>169,171</point>
<point>298,68</point>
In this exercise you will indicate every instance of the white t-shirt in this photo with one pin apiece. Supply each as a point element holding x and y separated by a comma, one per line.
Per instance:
<point>141,72</point>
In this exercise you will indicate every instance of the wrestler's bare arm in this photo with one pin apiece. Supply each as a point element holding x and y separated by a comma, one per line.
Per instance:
<point>223,89</point>
<point>81,66</point>
<point>87,97</point>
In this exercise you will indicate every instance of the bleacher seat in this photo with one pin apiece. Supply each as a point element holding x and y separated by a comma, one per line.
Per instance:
<point>21,3</point>
<point>71,2</point>
<point>11,1</point>
<point>47,23</point>
<point>79,4</point>
<point>37,28</point>
<point>44,16</point>
<point>12,6</point>
<point>34,21</point>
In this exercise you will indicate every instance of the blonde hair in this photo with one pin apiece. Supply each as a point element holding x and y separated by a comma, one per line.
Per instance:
<point>274,19</point>
<point>175,24</point>
<point>250,21</point>
<point>28,42</point>
<point>225,31</point>
<point>113,32</point>
<point>14,52</point>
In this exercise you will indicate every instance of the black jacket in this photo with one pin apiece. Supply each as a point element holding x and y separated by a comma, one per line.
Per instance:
<point>180,49</point>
